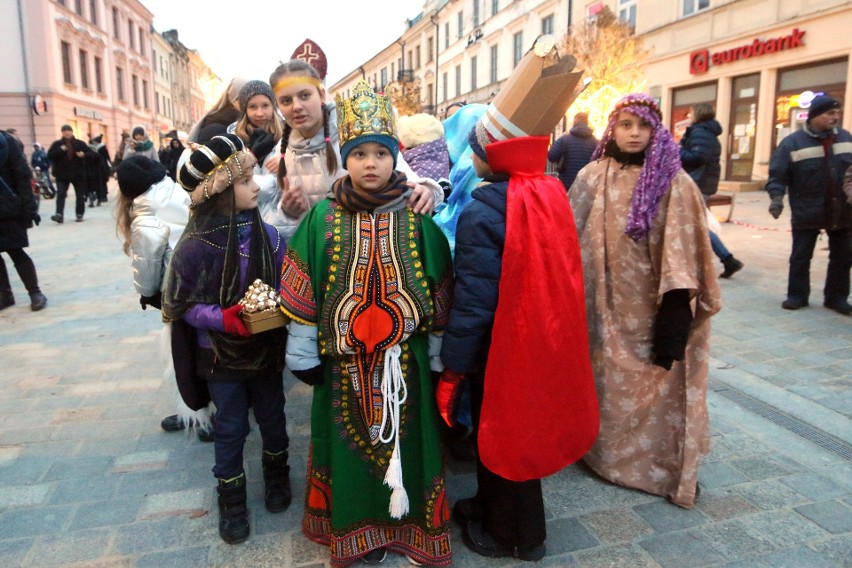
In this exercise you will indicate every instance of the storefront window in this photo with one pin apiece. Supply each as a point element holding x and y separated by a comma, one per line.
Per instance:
<point>797,86</point>
<point>683,99</point>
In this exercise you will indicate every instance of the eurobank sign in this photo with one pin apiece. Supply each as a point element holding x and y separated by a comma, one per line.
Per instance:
<point>701,60</point>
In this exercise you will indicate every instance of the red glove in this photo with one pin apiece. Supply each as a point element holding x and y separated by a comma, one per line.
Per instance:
<point>232,321</point>
<point>447,395</point>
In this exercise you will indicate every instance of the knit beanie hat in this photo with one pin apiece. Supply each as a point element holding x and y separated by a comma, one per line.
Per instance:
<point>66,127</point>
<point>253,88</point>
<point>137,174</point>
<point>138,131</point>
<point>821,105</point>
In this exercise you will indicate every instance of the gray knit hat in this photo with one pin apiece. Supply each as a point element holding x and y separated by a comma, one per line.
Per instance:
<point>251,89</point>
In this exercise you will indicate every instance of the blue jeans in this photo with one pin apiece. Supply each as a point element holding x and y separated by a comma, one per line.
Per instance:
<point>839,263</point>
<point>718,246</point>
<point>233,399</point>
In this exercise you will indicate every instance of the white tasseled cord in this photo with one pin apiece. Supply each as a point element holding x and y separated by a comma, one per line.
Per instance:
<point>394,393</point>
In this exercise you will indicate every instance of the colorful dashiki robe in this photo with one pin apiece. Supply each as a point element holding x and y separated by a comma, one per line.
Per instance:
<point>369,282</point>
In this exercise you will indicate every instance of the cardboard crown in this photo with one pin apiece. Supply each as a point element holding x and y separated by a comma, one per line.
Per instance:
<point>536,94</point>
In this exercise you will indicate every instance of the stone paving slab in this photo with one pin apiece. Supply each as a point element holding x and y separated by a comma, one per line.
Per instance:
<point>88,479</point>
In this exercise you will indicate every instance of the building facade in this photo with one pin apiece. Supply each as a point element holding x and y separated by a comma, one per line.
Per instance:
<point>162,68</point>
<point>758,62</point>
<point>86,64</point>
<point>99,66</point>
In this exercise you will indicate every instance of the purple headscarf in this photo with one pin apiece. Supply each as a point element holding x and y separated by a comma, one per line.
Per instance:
<point>662,162</point>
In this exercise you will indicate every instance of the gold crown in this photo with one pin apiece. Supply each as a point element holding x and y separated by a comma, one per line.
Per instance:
<point>365,113</point>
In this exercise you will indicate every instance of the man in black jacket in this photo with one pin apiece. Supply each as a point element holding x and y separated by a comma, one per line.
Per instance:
<point>809,165</point>
<point>572,151</point>
<point>68,155</point>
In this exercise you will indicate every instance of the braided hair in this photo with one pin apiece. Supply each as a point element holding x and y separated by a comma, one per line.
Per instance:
<point>299,67</point>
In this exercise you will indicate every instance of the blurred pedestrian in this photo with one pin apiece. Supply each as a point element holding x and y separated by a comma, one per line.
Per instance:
<point>18,212</point>
<point>650,291</point>
<point>140,144</point>
<point>572,151</point>
<point>69,156</point>
<point>40,160</point>
<point>808,166</point>
<point>700,155</point>
<point>100,168</point>
<point>173,154</point>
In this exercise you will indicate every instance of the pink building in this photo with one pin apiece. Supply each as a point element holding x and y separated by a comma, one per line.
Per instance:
<point>86,63</point>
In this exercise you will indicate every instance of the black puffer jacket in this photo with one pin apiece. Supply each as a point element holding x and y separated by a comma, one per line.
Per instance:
<point>480,235</point>
<point>700,153</point>
<point>813,183</point>
<point>575,150</point>
<point>18,206</point>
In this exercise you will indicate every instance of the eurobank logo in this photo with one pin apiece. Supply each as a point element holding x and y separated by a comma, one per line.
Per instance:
<point>701,60</point>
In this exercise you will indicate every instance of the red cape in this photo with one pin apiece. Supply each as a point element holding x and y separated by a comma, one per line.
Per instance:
<point>539,410</point>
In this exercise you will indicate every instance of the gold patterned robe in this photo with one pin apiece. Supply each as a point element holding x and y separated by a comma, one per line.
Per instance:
<point>654,424</point>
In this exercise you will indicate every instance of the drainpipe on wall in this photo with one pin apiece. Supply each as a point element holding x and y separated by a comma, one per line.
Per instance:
<point>434,19</point>
<point>26,70</point>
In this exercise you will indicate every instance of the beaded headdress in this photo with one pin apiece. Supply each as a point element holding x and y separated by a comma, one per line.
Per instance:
<point>366,117</point>
<point>213,167</point>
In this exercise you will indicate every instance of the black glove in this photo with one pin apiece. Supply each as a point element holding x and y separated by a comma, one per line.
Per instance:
<point>776,206</point>
<point>36,218</point>
<point>671,328</point>
<point>311,377</point>
<point>156,301</point>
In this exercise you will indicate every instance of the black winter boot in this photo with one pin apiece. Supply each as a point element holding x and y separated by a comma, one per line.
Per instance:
<point>276,477</point>
<point>6,297</point>
<point>732,265</point>
<point>233,513</point>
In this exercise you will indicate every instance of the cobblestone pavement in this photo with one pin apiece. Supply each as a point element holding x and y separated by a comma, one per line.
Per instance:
<point>87,478</point>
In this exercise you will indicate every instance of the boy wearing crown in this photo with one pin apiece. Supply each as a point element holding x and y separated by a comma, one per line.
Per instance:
<point>367,284</point>
<point>517,328</point>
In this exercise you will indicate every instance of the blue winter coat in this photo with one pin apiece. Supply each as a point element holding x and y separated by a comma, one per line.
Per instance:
<point>575,149</point>
<point>480,235</point>
<point>814,185</point>
<point>700,153</point>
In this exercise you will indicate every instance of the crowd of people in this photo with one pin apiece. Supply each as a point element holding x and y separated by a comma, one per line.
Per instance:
<point>404,324</point>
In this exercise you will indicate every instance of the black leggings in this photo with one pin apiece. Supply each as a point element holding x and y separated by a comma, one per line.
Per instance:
<point>26,270</point>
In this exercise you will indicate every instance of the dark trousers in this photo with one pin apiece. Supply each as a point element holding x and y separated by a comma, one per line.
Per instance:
<point>839,264</point>
<point>512,511</point>
<point>26,270</point>
<point>265,394</point>
<point>62,193</point>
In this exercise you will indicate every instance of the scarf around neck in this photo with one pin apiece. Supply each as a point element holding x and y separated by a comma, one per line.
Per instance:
<point>356,199</point>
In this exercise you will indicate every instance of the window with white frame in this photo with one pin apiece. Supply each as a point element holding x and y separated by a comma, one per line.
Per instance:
<point>692,6</point>
<point>547,25</point>
<point>493,74</point>
<point>473,73</point>
<point>475,13</point>
<point>460,16</point>
<point>627,12</point>
<point>517,48</point>
<point>458,80</point>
